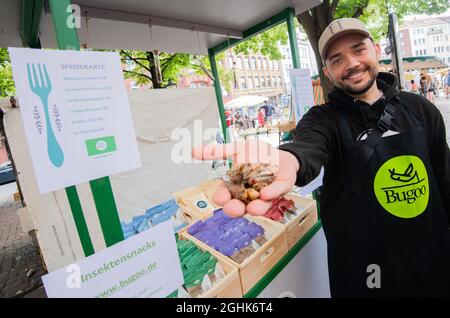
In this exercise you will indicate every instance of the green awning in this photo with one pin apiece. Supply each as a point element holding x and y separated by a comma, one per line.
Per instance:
<point>419,62</point>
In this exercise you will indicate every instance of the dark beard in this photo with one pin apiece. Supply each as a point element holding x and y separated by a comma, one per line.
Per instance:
<point>350,90</point>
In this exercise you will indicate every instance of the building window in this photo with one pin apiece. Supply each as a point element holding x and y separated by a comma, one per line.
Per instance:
<point>275,65</point>
<point>415,42</point>
<point>425,52</point>
<point>280,82</point>
<point>266,64</point>
<point>250,83</point>
<point>259,63</point>
<point>239,63</point>
<point>417,53</point>
<point>243,83</point>
<point>448,48</point>
<point>247,63</point>
<point>268,81</point>
<point>263,82</point>
<point>257,82</point>
<point>274,81</point>
<point>253,62</point>
<point>230,62</point>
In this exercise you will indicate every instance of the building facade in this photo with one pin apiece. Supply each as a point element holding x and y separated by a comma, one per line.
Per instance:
<point>255,74</point>
<point>424,37</point>
<point>306,55</point>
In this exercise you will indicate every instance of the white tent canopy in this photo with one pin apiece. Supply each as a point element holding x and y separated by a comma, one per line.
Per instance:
<point>246,100</point>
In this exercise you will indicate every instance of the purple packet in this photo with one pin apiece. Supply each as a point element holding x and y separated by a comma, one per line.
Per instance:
<point>256,232</point>
<point>196,227</point>
<point>245,245</point>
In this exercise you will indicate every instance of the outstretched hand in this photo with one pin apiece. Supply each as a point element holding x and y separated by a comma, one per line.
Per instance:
<point>251,151</point>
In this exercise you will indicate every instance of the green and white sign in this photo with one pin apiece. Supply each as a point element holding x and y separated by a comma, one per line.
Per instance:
<point>143,266</point>
<point>401,186</point>
<point>76,115</point>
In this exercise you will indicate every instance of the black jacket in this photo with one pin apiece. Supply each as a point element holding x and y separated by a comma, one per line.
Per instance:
<point>318,140</point>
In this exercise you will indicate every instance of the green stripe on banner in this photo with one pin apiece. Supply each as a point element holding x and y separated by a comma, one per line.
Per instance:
<point>80,222</point>
<point>107,210</point>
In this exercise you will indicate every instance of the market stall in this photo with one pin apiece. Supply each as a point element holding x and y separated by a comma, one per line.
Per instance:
<point>81,220</point>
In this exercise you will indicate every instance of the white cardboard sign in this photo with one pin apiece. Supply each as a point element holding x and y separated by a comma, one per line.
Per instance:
<point>144,266</point>
<point>76,115</point>
<point>302,91</point>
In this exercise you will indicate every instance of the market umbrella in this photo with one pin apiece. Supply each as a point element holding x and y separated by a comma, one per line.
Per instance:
<point>246,100</point>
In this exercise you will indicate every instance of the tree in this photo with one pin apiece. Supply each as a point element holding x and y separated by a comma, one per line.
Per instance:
<point>157,68</point>
<point>265,43</point>
<point>7,87</point>
<point>372,12</point>
<point>145,67</point>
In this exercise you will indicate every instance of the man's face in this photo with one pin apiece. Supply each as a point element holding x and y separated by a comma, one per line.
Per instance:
<point>352,63</point>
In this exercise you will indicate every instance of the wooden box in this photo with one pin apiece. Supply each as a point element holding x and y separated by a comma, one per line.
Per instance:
<point>302,223</point>
<point>256,266</point>
<point>192,215</point>
<point>227,287</point>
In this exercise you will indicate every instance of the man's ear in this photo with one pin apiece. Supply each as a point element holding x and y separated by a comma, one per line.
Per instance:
<point>377,50</point>
<point>327,73</point>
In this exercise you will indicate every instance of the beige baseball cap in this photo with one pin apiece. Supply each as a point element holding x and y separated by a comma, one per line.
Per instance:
<point>338,28</point>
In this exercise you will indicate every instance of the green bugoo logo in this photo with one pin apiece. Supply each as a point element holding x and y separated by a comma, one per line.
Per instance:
<point>401,186</point>
<point>202,204</point>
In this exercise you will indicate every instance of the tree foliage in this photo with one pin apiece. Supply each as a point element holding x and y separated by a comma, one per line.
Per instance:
<point>7,87</point>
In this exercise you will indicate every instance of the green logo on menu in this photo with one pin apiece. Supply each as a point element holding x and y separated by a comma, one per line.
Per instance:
<point>99,146</point>
<point>401,186</point>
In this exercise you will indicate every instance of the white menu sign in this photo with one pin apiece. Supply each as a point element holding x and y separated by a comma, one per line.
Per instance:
<point>76,115</point>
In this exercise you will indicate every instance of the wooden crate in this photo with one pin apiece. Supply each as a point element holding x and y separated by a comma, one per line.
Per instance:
<point>256,266</point>
<point>190,214</point>
<point>229,286</point>
<point>302,223</point>
<point>208,187</point>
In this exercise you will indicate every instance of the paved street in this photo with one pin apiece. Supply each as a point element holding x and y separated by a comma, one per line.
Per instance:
<point>20,263</point>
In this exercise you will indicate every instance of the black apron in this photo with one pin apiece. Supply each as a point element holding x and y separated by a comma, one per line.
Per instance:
<point>373,252</point>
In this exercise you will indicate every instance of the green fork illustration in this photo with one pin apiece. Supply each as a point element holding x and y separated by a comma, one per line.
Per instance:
<point>41,86</point>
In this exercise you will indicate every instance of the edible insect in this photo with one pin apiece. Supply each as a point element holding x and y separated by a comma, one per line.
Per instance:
<point>246,180</point>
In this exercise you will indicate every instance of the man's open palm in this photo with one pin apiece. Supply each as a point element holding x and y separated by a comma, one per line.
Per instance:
<point>251,151</point>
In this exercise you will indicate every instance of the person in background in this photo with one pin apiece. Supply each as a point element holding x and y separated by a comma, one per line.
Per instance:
<point>238,121</point>
<point>447,84</point>
<point>423,85</point>
<point>430,89</point>
<point>269,114</point>
<point>13,102</point>
<point>437,85</point>
<point>261,118</point>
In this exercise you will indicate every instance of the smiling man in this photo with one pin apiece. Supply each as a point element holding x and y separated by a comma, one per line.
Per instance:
<point>385,199</point>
